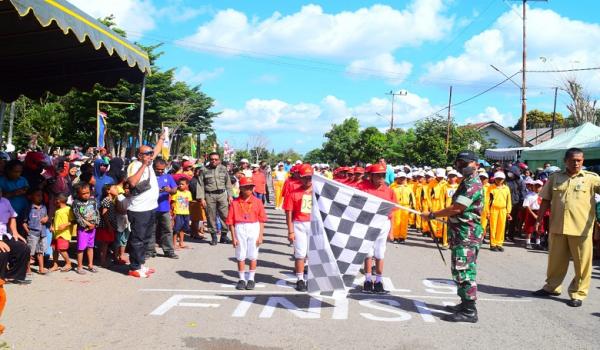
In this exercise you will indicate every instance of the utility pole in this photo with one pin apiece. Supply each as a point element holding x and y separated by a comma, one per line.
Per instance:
<point>524,74</point>
<point>394,94</point>
<point>554,113</point>
<point>449,121</point>
<point>10,123</point>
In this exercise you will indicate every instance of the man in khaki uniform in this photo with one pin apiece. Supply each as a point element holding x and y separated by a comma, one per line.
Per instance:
<point>214,192</point>
<point>570,196</point>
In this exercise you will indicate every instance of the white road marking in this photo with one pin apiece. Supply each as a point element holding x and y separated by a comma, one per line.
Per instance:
<point>424,311</point>
<point>313,312</point>
<point>258,285</point>
<point>242,309</point>
<point>175,300</point>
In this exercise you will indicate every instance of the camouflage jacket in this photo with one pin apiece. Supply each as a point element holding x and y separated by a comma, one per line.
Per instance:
<point>465,228</point>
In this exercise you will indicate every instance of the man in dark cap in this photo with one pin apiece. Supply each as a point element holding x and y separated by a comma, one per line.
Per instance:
<point>464,235</point>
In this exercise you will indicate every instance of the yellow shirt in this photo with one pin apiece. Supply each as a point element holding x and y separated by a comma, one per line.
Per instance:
<point>572,204</point>
<point>405,195</point>
<point>63,216</point>
<point>181,202</point>
<point>500,198</point>
<point>449,192</point>
<point>486,191</point>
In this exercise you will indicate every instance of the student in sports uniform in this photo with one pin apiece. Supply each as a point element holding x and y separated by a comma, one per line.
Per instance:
<point>406,198</point>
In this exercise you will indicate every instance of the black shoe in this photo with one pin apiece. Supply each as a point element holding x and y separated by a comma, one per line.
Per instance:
<point>172,256</point>
<point>301,286</point>
<point>544,293</point>
<point>468,313</point>
<point>500,248</point>
<point>250,285</point>
<point>213,241</point>
<point>23,282</point>
<point>241,285</point>
<point>368,287</point>
<point>574,303</point>
<point>401,241</point>
<point>455,308</point>
<point>378,288</point>
<point>493,248</point>
<point>225,240</point>
<point>150,255</point>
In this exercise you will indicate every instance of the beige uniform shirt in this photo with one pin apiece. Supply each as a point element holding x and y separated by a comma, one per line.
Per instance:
<point>573,208</point>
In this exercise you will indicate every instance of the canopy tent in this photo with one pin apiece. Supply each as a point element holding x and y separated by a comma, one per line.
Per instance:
<point>51,45</point>
<point>508,154</point>
<point>586,137</point>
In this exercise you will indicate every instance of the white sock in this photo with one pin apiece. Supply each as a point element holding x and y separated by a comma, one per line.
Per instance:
<point>537,241</point>
<point>368,277</point>
<point>300,276</point>
<point>528,241</point>
<point>377,278</point>
<point>242,275</point>
<point>251,274</point>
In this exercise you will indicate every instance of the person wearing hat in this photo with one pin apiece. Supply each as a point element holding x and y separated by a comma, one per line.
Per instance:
<point>418,193</point>
<point>499,207</point>
<point>485,214</point>
<point>438,201</point>
<point>449,190</point>
<point>464,235</point>
<point>298,206</point>
<point>358,175</point>
<point>245,166</point>
<point>246,221</point>
<point>531,205</point>
<point>292,183</point>
<point>377,187</point>
<point>279,176</point>
<point>406,198</point>
<point>426,201</point>
<point>260,183</point>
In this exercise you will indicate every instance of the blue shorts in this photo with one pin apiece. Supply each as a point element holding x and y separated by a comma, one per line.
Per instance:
<point>182,223</point>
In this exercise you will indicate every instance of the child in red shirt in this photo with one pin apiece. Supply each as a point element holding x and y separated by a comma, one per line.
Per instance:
<point>246,220</point>
<point>298,206</point>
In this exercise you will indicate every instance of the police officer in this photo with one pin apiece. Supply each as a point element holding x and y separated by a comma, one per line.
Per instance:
<point>464,235</point>
<point>214,192</point>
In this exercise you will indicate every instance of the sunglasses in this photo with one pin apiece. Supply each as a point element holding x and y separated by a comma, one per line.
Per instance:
<point>147,153</point>
<point>214,159</point>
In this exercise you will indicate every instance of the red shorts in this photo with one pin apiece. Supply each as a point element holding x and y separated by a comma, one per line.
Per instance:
<point>530,223</point>
<point>60,244</point>
<point>105,235</point>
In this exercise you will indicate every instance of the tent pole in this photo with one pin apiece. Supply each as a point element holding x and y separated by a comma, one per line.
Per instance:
<point>2,112</point>
<point>141,130</point>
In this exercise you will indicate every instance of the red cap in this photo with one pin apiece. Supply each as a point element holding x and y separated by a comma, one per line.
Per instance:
<point>350,170</point>
<point>344,168</point>
<point>378,169</point>
<point>306,170</point>
<point>186,164</point>
<point>359,170</point>
<point>246,181</point>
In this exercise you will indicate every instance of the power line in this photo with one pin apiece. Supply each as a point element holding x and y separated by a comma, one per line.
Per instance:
<point>563,70</point>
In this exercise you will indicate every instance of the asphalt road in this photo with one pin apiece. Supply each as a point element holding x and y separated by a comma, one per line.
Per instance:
<point>191,303</point>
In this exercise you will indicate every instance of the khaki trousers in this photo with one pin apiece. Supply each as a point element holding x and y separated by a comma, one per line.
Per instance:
<point>563,247</point>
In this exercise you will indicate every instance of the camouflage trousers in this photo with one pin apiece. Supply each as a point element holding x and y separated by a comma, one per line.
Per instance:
<point>464,270</point>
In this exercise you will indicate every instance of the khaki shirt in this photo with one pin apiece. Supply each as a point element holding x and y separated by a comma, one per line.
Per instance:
<point>572,210</point>
<point>213,179</point>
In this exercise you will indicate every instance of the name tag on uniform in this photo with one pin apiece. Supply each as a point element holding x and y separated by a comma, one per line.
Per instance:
<point>306,207</point>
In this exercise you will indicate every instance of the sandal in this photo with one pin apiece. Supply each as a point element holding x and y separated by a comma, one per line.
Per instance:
<point>66,269</point>
<point>80,272</point>
<point>92,269</point>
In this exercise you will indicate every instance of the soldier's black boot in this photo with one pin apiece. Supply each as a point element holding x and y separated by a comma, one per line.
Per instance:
<point>467,314</point>
<point>214,239</point>
<point>455,308</point>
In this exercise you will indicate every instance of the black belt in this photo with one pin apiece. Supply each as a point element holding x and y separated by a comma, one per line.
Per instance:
<point>216,192</point>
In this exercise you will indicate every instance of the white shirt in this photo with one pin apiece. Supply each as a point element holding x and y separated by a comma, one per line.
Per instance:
<point>531,201</point>
<point>148,200</point>
<point>6,213</point>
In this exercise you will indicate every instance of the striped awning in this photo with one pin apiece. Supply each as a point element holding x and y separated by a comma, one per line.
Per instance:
<point>51,45</point>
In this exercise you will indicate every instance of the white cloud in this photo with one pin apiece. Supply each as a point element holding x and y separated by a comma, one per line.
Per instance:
<point>134,16</point>
<point>491,114</point>
<point>375,30</point>
<point>186,74</point>
<point>560,41</point>
<point>268,79</point>
<point>177,11</point>
<point>383,65</point>
<point>311,118</point>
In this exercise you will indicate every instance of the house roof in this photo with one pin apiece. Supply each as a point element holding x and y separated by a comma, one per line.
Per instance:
<point>540,135</point>
<point>491,124</point>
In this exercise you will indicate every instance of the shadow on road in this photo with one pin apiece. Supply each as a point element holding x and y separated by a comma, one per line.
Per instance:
<point>503,291</point>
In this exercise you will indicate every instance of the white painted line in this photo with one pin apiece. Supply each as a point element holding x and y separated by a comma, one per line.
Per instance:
<point>242,309</point>
<point>424,311</point>
<point>258,285</point>
<point>275,293</point>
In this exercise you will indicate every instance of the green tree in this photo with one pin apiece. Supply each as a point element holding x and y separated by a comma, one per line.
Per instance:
<point>371,145</point>
<point>41,119</point>
<point>340,147</point>
<point>540,119</point>
<point>315,156</point>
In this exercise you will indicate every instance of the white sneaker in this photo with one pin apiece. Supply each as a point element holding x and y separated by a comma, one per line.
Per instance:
<point>147,270</point>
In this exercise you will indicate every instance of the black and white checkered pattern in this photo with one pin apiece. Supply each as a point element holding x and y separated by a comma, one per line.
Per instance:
<point>345,223</point>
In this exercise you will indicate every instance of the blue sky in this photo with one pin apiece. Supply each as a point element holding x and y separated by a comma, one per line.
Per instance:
<point>285,71</point>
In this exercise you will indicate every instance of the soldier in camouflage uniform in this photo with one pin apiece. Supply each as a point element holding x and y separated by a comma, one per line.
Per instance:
<point>465,235</point>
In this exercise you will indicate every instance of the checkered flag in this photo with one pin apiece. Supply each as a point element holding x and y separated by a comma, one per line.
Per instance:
<point>345,223</point>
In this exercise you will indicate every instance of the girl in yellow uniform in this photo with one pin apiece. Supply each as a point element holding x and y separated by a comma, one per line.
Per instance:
<point>411,184</point>
<point>438,201</point>
<point>405,198</point>
<point>451,187</point>
<point>499,208</point>
<point>418,192</point>
<point>279,176</point>
<point>485,213</point>
<point>426,201</point>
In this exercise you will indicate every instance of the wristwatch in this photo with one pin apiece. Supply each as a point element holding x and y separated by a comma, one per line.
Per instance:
<point>431,216</point>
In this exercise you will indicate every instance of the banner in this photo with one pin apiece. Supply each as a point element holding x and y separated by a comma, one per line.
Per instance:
<point>345,223</point>
<point>192,146</point>
<point>166,148</point>
<point>101,127</point>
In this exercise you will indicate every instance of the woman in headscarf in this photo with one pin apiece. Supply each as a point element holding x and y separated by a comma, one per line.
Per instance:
<point>102,177</point>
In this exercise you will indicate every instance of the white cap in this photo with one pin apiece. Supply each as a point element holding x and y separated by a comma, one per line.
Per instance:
<point>459,175</point>
<point>538,182</point>
<point>448,168</point>
<point>244,160</point>
<point>453,172</point>
<point>400,174</point>
<point>499,175</point>
<point>529,181</point>
<point>484,174</point>
<point>440,172</point>
<point>298,162</point>
<point>368,165</point>
<point>185,158</point>
<point>280,164</point>
<point>430,173</point>
<point>255,166</point>
<point>409,175</point>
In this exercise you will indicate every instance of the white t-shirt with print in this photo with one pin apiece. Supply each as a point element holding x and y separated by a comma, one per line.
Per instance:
<point>147,200</point>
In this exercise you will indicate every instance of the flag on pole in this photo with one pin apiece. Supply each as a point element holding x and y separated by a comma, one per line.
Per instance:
<point>192,146</point>
<point>166,148</point>
<point>101,126</point>
<point>345,223</point>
